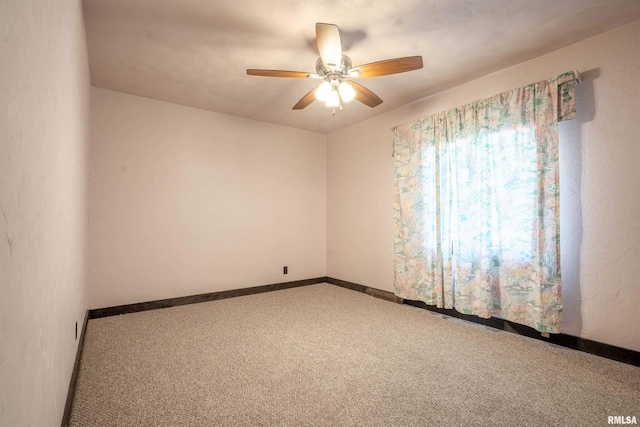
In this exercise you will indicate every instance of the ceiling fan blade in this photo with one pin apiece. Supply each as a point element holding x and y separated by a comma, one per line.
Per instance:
<point>365,96</point>
<point>278,73</point>
<point>389,66</point>
<point>306,100</point>
<point>329,45</point>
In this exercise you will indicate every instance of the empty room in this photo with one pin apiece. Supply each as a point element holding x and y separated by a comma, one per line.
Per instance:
<point>319,213</point>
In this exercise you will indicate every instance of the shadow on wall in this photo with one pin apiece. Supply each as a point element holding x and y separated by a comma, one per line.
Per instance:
<point>571,202</point>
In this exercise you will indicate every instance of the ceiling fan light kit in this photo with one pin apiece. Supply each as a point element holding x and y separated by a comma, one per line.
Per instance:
<point>334,68</point>
<point>324,91</point>
<point>347,92</point>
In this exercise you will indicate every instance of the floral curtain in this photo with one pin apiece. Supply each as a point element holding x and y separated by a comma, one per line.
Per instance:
<point>477,205</point>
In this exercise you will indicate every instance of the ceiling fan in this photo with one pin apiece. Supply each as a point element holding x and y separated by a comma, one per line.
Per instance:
<point>335,69</point>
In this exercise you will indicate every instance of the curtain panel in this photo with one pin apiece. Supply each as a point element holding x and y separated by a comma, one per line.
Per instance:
<point>477,205</point>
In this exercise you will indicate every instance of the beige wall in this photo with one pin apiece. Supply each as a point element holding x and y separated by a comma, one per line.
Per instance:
<point>600,179</point>
<point>184,201</point>
<point>44,103</point>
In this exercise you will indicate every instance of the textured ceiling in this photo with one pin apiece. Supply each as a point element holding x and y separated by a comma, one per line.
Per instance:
<point>196,52</point>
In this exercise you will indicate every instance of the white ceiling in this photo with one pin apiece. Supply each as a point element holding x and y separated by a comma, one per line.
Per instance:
<point>196,52</point>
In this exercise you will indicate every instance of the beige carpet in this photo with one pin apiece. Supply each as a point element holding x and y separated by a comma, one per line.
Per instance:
<point>322,355</point>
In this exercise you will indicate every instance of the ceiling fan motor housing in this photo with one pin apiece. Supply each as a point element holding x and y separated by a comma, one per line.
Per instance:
<point>338,73</point>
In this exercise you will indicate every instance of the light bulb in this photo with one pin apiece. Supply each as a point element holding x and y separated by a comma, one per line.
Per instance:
<point>324,91</point>
<point>333,100</point>
<point>347,92</point>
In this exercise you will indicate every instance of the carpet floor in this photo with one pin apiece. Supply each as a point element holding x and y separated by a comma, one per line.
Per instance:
<point>322,355</point>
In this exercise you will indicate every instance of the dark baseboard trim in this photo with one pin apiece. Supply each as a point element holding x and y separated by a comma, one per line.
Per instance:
<point>66,417</point>
<point>193,299</point>
<point>385,295</point>
<point>619,354</point>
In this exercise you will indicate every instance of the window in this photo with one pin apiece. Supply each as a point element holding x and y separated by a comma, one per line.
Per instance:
<point>476,210</point>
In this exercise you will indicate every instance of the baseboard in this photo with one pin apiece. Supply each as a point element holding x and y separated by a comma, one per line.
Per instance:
<point>193,299</point>
<point>619,354</point>
<point>71,393</point>
<point>385,295</point>
<point>569,341</point>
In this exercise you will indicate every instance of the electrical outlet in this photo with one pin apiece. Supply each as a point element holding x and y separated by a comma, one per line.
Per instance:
<point>285,270</point>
